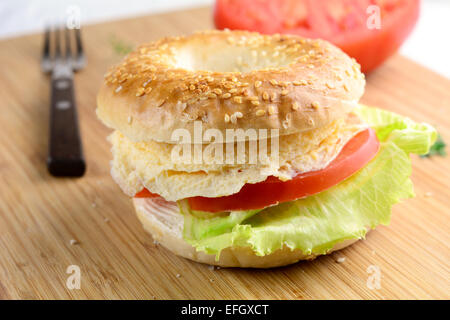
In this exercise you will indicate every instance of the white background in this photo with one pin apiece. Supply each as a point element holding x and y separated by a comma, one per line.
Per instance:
<point>429,44</point>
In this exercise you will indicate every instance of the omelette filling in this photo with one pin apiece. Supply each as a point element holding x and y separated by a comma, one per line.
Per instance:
<point>138,165</point>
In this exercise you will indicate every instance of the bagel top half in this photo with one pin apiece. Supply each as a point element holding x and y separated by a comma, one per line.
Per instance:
<point>229,80</point>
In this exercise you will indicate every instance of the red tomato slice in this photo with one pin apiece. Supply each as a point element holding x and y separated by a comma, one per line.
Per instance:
<point>342,22</point>
<point>354,156</point>
<point>144,193</point>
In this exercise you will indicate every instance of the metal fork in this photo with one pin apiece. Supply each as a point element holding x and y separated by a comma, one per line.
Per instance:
<point>65,157</point>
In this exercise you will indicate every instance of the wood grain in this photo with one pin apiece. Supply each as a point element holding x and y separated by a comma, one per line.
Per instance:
<point>40,214</point>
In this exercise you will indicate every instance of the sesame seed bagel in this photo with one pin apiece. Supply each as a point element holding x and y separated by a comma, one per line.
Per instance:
<point>229,80</point>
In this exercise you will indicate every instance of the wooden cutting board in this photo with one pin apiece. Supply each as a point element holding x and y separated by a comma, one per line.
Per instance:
<point>40,214</point>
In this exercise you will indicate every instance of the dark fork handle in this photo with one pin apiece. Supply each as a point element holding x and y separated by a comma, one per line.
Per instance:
<point>65,150</point>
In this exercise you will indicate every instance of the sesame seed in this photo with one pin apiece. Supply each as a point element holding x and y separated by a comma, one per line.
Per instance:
<point>265,96</point>
<point>118,89</point>
<point>192,87</point>
<point>273,96</point>
<point>212,95</point>
<point>253,98</point>
<point>284,92</point>
<point>295,106</point>
<point>273,82</point>
<point>130,119</point>
<point>245,92</point>
<point>329,85</point>
<point>258,84</point>
<point>146,83</point>
<point>260,112</point>
<point>217,91</point>
<point>271,110</point>
<point>255,103</point>
<point>140,92</point>
<point>346,87</point>
<point>300,83</point>
<point>226,95</point>
<point>234,90</point>
<point>315,105</point>
<point>238,114</point>
<point>227,118</point>
<point>237,99</point>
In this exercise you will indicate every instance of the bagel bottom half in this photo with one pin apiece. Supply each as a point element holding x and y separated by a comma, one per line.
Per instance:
<point>165,224</point>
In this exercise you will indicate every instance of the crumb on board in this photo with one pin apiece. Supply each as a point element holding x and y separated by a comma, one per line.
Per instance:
<point>73,242</point>
<point>340,260</point>
<point>178,275</point>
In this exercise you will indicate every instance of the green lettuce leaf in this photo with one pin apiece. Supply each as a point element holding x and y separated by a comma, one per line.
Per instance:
<point>316,223</point>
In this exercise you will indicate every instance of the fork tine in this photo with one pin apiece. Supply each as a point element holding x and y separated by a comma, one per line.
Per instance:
<point>57,37</point>
<point>68,46</point>
<point>46,62</point>
<point>80,59</point>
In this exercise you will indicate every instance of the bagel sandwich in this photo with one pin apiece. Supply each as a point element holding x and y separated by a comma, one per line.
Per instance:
<point>248,150</point>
